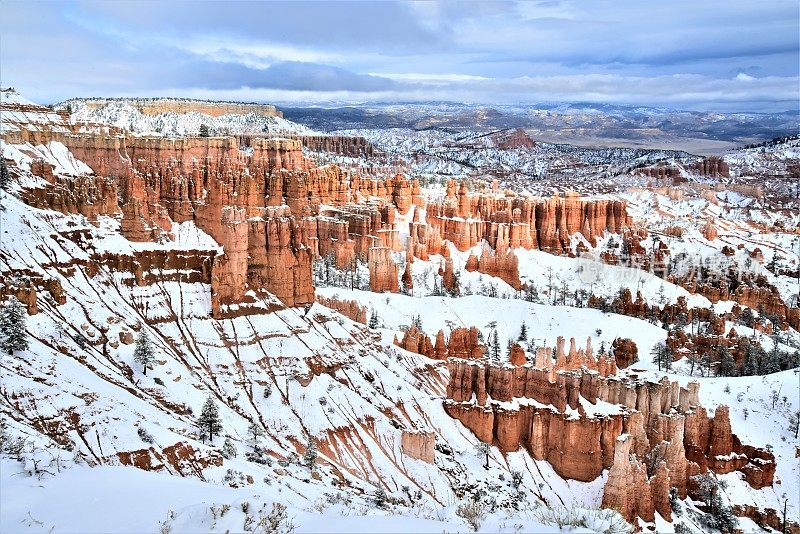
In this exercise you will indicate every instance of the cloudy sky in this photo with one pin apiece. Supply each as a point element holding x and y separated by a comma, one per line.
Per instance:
<point>729,56</point>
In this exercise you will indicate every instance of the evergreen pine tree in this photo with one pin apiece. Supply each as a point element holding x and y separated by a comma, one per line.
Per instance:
<point>143,353</point>
<point>750,363</point>
<point>310,456</point>
<point>662,356</point>
<point>228,449</point>
<point>254,434</point>
<point>772,361</point>
<point>727,366</point>
<point>203,130</point>
<point>209,422</point>
<point>705,365</point>
<point>495,346</point>
<point>373,319</point>
<point>13,336</point>
<point>523,333</point>
<point>5,178</point>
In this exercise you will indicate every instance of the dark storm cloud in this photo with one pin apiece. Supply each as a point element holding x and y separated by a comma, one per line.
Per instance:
<point>704,55</point>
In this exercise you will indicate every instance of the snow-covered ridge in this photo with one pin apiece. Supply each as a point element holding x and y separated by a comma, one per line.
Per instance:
<point>158,119</point>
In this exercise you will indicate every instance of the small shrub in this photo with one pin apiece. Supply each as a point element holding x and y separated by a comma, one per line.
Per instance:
<point>379,500</point>
<point>516,479</point>
<point>228,449</point>
<point>144,435</point>
<point>473,512</point>
<point>276,522</point>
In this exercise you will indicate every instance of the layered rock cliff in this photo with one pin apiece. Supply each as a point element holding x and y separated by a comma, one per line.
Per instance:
<point>583,423</point>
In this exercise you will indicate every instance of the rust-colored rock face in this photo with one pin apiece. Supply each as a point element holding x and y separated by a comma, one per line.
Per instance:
<point>180,458</point>
<point>419,445</point>
<point>546,224</point>
<point>711,166</point>
<point>503,265</point>
<point>625,352</point>
<point>382,271</point>
<point>349,308</point>
<point>656,436</point>
<point>710,231</point>
<point>461,343</point>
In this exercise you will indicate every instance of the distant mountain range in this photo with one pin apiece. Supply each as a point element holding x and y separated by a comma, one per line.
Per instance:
<point>582,119</point>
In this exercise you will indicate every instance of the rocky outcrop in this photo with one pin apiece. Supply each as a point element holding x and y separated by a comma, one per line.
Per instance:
<point>87,195</point>
<point>349,308</point>
<point>461,343</point>
<point>709,231</point>
<point>278,261</point>
<point>627,489</point>
<point>625,352</point>
<point>419,445</point>
<point>502,264</point>
<point>650,435</point>
<point>180,458</point>
<point>352,146</point>
<point>545,224</point>
<point>766,518</point>
<point>711,166</point>
<point>383,275</point>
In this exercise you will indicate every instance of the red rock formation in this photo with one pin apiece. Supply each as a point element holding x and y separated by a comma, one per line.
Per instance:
<point>349,308</point>
<point>449,280</point>
<point>419,445</point>
<point>517,355</point>
<point>546,224</point>
<point>625,352</point>
<point>711,166</point>
<point>710,231</point>
<point>627,490</point>
<point>503,265</point>
<point>580,441</point>
<point>87,195</point>
<point>462,343</point>
<point>180,458</point>
<point>277,259</point>
<point>416,341</point>
<point>382,270</point>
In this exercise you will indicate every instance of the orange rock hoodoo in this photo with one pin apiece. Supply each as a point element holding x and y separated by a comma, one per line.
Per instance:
<point>546,224</point>
<point>583,422</point>
<point>461,343</point>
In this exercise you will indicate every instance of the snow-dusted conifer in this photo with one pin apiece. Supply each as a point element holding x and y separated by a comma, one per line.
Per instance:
<point>727,365</point>
<point>228,449</point>
<point>254,434</point>
<point>523,333</point>
<point>209,422</point>
<point>143,353</point>
<point>13,336</point>
<point>310,456</point>
<point>5,178</point>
